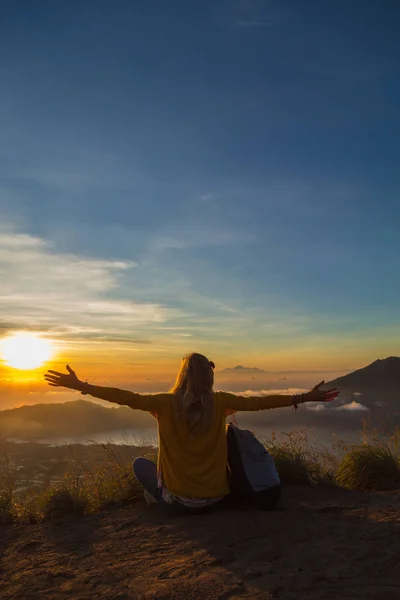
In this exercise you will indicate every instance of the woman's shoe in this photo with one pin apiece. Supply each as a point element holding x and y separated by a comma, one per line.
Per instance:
<point>149,498</point>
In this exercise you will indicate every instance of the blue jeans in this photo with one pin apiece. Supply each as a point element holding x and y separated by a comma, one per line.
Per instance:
<point>146,473</point>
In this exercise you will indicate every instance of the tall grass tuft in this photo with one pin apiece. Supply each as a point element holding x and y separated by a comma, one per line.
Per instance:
<point>371,466</point>
<point>82,489</point>
<point>7,487</point>
<point>296,459</point>
<point>108,482</point>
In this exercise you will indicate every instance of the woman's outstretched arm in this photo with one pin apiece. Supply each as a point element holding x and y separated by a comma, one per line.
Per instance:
<point>70,380</point>
<point>235,403</point>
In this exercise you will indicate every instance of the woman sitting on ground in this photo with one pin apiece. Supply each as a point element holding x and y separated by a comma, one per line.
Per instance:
<point>192,464</point>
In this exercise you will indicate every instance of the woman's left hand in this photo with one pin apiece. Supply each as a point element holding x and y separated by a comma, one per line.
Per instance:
<point>317,395</point>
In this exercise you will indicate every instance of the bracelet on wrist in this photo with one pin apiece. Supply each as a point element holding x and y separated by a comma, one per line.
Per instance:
<point>296,400</point>
<point>85,388</point>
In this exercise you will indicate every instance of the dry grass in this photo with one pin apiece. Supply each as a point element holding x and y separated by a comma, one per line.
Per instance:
<point>371,465</point>
<point>298,461</point>
<point>81,490</point>
<point>7,485</point>
<point>365,466</point>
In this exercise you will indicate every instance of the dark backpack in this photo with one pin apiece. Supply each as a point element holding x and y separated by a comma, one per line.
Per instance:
<point>253,477</point>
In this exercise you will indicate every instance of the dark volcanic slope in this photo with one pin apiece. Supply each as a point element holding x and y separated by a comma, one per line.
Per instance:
<point>379,384</point>
<point>381,376</point>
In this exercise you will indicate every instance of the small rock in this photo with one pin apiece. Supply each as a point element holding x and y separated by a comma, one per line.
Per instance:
<point>252,574</point>
<point>29,547</point>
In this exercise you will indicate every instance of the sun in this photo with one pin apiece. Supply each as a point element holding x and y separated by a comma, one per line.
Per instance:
<point>25,351</point>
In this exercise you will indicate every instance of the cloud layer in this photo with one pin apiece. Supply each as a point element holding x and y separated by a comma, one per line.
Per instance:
<point>65,293</point>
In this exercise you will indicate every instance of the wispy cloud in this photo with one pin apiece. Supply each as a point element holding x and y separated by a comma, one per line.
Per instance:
<point>201,237</point>
<point>353,406</point>
<point>281,392</point>
<point>257,13</point>
<point>208,197</point>
<point>239,370</point>
<point>254,23</point>
<point>316,407</point>
<point>71,294</point>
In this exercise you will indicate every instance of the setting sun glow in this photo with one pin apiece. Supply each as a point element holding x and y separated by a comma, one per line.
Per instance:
<point>25,351</point>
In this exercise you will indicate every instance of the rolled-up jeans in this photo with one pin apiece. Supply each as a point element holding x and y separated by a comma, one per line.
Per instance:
<point>146,473</point>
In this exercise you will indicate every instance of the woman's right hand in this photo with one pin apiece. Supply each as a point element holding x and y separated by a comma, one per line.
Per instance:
<point>68,380</point>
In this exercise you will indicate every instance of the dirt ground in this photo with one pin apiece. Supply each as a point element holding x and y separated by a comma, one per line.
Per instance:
<point>325,544</point>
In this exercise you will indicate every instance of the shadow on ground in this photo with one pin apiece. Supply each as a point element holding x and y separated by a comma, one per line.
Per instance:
<point>326,544</point>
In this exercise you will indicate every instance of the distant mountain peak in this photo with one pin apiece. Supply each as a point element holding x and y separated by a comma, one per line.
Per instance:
<point>242,369</point>
<point>389,359</point>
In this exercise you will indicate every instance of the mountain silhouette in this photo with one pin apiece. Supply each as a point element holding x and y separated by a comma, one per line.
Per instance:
<point>76,418</point>
<point>376,387</point>
<point>243,370</point>
<point>378,384</point>
<point>381,376</point>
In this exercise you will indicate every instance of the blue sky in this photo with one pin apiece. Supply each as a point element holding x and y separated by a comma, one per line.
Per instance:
<point>221,176</point>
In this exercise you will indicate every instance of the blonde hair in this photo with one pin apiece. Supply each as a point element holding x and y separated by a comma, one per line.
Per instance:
<point>194,390</point>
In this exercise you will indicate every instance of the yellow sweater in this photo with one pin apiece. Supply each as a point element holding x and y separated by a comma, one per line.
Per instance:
<point>194,467</point>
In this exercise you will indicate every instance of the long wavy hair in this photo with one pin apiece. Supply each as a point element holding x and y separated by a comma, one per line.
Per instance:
<point>194,390</point>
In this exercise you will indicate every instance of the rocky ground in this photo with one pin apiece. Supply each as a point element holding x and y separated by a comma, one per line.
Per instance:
<point>325,544</point>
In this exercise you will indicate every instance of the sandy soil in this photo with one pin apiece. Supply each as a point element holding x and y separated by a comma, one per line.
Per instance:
<point>325,545</point>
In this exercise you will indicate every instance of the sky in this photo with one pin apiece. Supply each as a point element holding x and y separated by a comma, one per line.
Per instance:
<point>217,176</point>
